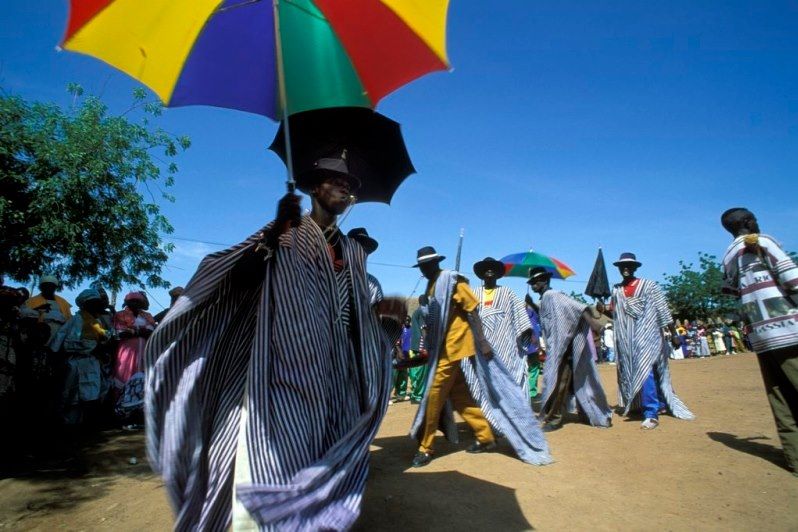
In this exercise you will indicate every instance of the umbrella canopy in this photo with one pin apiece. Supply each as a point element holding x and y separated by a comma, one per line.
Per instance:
<point>598,286</point>
<point>518,265</point>
<point>375,150</point>
<point>237,53</point>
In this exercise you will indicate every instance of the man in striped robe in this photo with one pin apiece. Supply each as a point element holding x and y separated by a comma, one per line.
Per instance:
<point>570,365</point>
<point>465,375</point>
<point>641,317</point>
<point>268,379</point>
<point>765,279</point>
<point>504,319</point>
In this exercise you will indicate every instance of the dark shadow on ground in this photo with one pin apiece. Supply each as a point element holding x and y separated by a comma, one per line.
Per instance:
<point>765,451</point>
<point>74,471</point>
<point>414,499</point>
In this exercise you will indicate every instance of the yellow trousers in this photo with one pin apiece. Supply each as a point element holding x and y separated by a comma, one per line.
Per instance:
<point>449,383</point>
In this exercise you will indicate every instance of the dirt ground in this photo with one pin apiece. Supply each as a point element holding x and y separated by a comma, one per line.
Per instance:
<point>723,471</point>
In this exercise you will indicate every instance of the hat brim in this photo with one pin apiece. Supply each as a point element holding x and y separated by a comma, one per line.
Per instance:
<point>540,277</point>
<point>622,262</point>
<point>431,259</point>
<point>484,265</point>
<point>369,244</point>
<point>307,180</point>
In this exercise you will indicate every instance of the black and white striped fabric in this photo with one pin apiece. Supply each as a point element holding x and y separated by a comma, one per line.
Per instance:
<point>375,290</point>
<point>641,346</point>
<point>568,334</point>
<point>503,402</point>
<point>317,389</point>
<point>504,323</point>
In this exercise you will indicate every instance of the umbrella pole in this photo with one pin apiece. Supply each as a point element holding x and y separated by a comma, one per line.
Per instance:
<point>459,250</point>
<point>290,183</point>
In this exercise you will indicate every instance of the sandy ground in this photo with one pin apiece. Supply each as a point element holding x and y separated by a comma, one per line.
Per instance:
<point>723,471</point>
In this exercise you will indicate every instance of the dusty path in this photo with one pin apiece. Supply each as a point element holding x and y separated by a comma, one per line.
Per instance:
<point>723,471</point>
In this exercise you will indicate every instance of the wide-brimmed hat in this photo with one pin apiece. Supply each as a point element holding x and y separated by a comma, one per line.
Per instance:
<point>427,254</point>
<point>627,258</point>
<point>538,273</point>
<point>324,168</point>
<point>489,263</point>
<point>362,237</point>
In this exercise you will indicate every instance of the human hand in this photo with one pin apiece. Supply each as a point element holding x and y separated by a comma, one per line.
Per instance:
<point>289,214</point>
<point>486,350</point>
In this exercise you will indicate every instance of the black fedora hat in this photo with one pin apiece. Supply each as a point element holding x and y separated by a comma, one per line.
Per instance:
<point>324,168</point>
<point>538,273</point>
<point>489,263</point>
<point>427,254</point>
<point>627,258</point>
<point>362,237</point>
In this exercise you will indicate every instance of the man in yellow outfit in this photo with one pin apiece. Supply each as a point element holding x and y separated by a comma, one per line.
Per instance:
<point>455,334</point>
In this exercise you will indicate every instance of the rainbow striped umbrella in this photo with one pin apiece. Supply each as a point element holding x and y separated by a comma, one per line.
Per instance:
<point>268,57</point>
<point>518,265</point>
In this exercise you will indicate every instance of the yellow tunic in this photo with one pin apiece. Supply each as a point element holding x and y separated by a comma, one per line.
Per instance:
<point>459,341</point>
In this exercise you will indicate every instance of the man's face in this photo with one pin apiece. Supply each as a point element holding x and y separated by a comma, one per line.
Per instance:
<point>334,194</point>
<point>751,224</point>
<point>600,306</point>
<point>48,290</point>
<point>95,306</point>
<point>489,275</point>
<point>429,269</point>
<point>627,270</point>
<point>540,286</point>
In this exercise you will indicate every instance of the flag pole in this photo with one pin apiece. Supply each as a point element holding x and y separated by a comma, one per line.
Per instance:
<point>278,47</point>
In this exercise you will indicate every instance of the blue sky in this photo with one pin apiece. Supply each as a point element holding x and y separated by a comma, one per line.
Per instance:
<point>563,126</point>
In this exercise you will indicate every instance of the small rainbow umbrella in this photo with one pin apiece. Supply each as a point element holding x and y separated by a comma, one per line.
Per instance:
<point>518,265</point>
<point>268,57</point>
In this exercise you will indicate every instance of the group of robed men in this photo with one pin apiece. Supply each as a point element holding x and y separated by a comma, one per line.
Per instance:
<point>270,375</point>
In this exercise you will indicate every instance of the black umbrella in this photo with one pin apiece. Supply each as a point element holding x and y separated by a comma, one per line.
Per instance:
<point>375,150</point>
<point>598,286</point>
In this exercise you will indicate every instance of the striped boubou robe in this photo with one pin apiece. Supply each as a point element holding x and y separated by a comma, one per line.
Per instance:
<point>568,335</point>
<point>304,343</point>
<point>501,398</point>
<point>507,329</point>
<point>641,346</point>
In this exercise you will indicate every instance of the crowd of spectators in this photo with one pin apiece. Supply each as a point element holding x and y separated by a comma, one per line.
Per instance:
<point>64,372</point>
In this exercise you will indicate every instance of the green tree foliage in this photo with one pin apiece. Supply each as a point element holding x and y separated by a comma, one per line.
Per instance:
<point>579,297</point>
<point>80,190</point>
<point>695,293</point>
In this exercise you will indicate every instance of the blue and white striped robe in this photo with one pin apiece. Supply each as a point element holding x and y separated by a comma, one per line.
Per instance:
<point>641,346</point>
<point>504,323</point>
<point>315,393</point>
<point>503,402</point>
<point>568,334</point>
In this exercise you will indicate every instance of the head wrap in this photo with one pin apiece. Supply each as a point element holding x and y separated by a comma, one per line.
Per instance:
<point>86,296</point>
<point>52,279</point>
<point>135,296</point>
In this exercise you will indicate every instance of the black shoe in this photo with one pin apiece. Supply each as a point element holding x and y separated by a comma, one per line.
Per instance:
<point>548,427</point>
<point>415,402</point>
<point>421,459</point>
<point>479,447</point>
